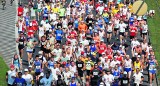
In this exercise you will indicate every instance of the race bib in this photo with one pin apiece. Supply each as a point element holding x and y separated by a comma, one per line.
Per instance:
<point>90,21</point>
<point>58,34</point>
<point>21,43</point>
<point>38,67</point>
<point>79,65</point>
<point>95,73</point>
<point>125,81</point>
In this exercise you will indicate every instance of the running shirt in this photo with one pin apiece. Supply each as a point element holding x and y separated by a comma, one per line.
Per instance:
<point>59,34</point>
<point>46,81</point>
<point>21,41</point>
<point>152,65</point>
<point>20,82</point>
<point>79,65</point>
<point>51,64</point>
<point>10,74</point>
<point>73,84</point>
<point>109,28</point>
<point>89,65</point>
<point>28,78</point>
<point>128,63</point>
<point>93,48</point>
<point>37,66</point>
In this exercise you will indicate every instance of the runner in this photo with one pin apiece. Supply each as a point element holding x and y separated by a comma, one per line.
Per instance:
<point>11,75</point>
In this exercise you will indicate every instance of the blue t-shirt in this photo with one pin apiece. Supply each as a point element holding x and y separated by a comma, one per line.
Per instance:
<point>20,82</point>
<point>76,23</point>
<point>46,82</point>
<point>59,34</point>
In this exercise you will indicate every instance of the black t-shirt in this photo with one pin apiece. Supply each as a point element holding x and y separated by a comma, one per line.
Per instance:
<point>79,65</point>
<point>59,25</point>
<point>124,81</point>
<point>70,23</point>
<point>89,21</point>
<point>95,73</point>
<point>88,35</point>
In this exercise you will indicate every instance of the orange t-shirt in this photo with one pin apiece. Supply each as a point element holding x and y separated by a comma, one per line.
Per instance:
<point>82,27</point>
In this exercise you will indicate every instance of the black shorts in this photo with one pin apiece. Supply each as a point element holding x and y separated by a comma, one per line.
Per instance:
<point>58,41</point>
<point>144,33</point>
<point>37,73</point>
<point>88,72</point>
<point>121,33</point>
<point>115,29</point>
<point>80,73</point>
<point>20,47</point>
<point>47,51</point>
<point>10,85</point>
<point>109,32</point>
<point>131,37</point>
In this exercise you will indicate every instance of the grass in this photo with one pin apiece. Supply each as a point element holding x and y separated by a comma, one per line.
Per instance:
<point>154,28</point>
<point>3,69</point>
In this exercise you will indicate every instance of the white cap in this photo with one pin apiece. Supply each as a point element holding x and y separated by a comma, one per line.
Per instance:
<point>42,74</point>
<point>90,27</point>
<point>125,72</point>
<point>136,54</point>
<point>139,56</point>
<point>103,53</point>
<point>96,22</point>
<point>26,70</point>
<point>40,52</point>
<point>30,66</point>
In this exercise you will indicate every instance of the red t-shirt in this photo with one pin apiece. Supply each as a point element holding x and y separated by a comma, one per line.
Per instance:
<point>73,34</point>
<point>106,9</point>
<point>30,31</point>
<point>20,11</point>
<point>119,58</point>
<point>102,48</point>
<point>34,25</point>
<point>133,31</point>
<point>108,51</point>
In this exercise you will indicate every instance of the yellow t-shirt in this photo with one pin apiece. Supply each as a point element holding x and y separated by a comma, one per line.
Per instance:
<point>55,10</point>
<point>49,7</point>
<point>120,5</point>
<point>115,11</point>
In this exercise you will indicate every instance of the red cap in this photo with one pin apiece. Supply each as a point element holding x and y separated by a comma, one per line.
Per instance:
<point>64,63</point>
<point>82,53</point>
<point>12,66</point>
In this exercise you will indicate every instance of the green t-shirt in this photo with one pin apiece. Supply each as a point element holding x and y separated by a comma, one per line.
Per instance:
<point>62,12</point>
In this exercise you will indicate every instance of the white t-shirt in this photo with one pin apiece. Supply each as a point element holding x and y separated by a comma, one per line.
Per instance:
<point>113,63</point>
<point>53,16</point>
<point>58,53</point>
<point>122,27</point>
<point>128,63</point>
<point>10,74</point>
<point>54,73</point>
<point>67,74</point>
<point>47,26</point>
<point>137,77</point>
<point>100,9</point>
<point>41,31</point>
<point>73,69</point>
<point>134,43</point>
<point>46,82</point>
<point>145,28</point>
<point>108,79</point>
<point>43,22</point>
<point>28,78</point>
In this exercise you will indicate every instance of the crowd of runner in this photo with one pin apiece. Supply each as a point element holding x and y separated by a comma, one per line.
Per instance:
<point>83,43</point>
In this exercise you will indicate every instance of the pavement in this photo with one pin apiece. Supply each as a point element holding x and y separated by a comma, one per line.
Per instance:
<point>25,63</point>
<point>7,32</point>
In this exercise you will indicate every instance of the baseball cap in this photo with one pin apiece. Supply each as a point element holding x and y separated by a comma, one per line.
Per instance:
<point>29,66</point>
<point>12,66</point>
<point>93,54</point>
<point>25,70</point>
<point>103,53</point>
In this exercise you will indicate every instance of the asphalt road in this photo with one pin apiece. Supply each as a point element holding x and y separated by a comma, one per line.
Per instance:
<point>25,64</point>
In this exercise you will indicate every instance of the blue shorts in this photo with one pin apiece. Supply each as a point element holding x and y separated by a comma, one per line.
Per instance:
<point>29,51</point>
<point>127,69</point>
<point>152,71</point>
